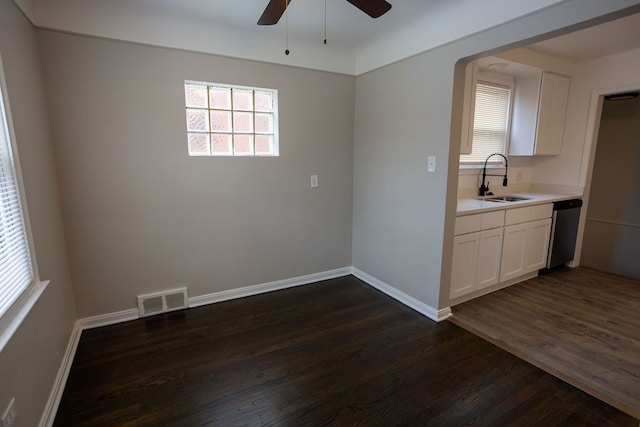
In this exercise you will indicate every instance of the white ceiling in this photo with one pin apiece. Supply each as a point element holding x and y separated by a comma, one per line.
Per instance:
<point>356,42</point>
<point>595,42</point>
<point>348,27</point>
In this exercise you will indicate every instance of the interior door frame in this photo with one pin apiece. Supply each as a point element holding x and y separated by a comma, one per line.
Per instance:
<point>589,154</point>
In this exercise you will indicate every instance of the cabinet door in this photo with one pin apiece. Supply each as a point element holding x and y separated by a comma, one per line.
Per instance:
<point>489,257</point>
<point>513,251</point>
<point>524,116</point>
<point>465,258</point>
<point>468,107</point>
<point>554,93</point>
<point>537,245</point>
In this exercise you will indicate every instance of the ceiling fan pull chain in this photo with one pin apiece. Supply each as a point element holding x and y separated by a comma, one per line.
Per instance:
<point>286,22</point>
<point>325,21</point>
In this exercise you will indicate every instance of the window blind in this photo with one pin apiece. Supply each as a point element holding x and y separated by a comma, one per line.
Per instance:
<point>16,272</point>
<point>490,122</point>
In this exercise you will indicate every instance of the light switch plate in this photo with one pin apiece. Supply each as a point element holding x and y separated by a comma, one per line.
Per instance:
<point>431,164</point>
<point>314,181</point>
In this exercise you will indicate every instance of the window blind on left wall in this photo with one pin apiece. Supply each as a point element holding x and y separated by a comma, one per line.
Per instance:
<point>16,272</point>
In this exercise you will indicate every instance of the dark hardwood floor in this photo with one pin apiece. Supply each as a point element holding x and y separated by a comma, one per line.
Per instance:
<point>579,324</point>
<point>333,353</point>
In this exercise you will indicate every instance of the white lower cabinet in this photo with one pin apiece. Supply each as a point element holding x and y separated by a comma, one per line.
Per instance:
<point>537,245</point>
<point>524,248</point>
<point>489,256</point>
<point>465,259</point>
<point>476,256</point>
<point>499,246</point>
<point>514,247</point>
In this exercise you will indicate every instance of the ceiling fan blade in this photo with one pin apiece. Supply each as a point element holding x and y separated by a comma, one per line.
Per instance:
<point>373,8</point>
<point>273,12</point>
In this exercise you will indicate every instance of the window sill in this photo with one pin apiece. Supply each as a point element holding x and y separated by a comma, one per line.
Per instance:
<point>12,319</point>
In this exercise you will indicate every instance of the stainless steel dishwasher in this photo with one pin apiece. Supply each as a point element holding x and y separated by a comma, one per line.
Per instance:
<point>564,230</point>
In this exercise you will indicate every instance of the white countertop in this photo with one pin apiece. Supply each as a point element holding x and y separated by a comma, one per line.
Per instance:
<point>472,205</point>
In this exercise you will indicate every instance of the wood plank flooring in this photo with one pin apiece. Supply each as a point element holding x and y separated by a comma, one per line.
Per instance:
<point>581,325</point>
<point>334,353</point>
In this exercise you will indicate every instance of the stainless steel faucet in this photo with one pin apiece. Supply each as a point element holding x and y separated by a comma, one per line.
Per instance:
<point>484,189</point>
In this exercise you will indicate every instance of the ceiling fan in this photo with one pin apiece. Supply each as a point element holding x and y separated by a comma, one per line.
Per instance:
<point>276,8</point>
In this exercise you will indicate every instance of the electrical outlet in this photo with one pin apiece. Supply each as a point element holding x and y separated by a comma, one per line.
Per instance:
<point>314,181</point>
<point>10,414</point>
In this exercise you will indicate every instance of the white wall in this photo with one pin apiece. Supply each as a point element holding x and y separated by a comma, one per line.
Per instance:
<point>446,21</point>
<point>28,7</point>
<point>591,80</point>
<point>520,167</point>
<point>141,215</point>
<point>540,60</point>
<point>469,180</point>
<point>403,217</point>
<point>30,361</point>
<point>606,74</point>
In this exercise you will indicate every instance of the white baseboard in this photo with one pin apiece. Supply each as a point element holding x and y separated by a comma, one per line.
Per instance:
<point>267,287</point>
<point>498,286</point>
<point>409,301</point>
<point>108,319</point>
<point>51,408</point>
<point>60,382</point>
<point>124,316</point>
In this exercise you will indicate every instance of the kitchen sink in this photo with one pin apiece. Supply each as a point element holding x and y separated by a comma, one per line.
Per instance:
<point>504,199</point>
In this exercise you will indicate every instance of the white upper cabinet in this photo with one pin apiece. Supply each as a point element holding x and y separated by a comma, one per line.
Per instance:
<point>554,93</point>
<point>524,116</point>
<point>539,109</point>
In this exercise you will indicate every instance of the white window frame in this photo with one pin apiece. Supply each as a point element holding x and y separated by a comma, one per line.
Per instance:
<point>276,139</point>
<point>498,80</point>
<point>19,309</point>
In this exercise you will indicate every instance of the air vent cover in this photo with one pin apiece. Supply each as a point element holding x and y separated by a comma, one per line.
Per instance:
<point>162,302</point>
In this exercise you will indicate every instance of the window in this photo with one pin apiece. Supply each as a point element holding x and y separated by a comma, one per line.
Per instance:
<point>16,272</point>
<point>491,122</point>
<point>231,120</point>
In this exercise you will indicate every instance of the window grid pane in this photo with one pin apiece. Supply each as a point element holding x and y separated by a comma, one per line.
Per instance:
<point>263,101</point>
<point>233,120</point>
<point>263,145</point>
<point>196,96</point>
<point>197,120</point>
<point>199,144</point>
<point>490,123</point>
<point>221,145</point>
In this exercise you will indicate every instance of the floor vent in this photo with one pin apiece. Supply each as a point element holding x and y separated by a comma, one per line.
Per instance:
<point>162,302</point>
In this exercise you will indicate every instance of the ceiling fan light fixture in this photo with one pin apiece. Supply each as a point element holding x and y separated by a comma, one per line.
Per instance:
<point>276,8</point>
<point>324,37</point>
